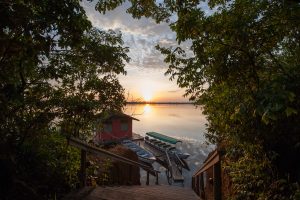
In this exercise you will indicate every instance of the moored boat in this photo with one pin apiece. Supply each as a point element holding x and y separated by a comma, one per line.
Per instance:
<point>143,155</point>
<point>164,143</point>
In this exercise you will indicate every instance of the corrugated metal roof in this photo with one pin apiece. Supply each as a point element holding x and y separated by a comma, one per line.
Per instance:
<point>162,137</point>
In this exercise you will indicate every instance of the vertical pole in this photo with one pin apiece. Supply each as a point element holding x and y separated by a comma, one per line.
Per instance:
<point>201,186</point>
<point>193,182</point>
<point>147,183</point>
<point>217,181</point>
<point>156,182</point>
<point>83,169</point>
<point>130,177</point>
<point>197,185</point>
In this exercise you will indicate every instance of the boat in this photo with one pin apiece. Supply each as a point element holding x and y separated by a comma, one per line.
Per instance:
<point>143,155</point>
<point>164,143</point>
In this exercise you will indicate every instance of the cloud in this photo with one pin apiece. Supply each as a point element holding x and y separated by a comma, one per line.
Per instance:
<point>141,36</point>
<point>119,19</point>
<point>174,91</point>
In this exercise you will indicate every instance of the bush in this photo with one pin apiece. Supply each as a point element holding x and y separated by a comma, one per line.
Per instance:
<point>49,165</point>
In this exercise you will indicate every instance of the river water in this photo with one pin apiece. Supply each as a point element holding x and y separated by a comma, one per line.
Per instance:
<point>182,121</point>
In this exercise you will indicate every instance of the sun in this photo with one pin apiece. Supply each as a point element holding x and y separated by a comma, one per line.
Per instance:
<point>147,96</point>
<point>147,90</point>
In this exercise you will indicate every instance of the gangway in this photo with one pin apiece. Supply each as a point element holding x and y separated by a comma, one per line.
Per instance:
<point>174,171</point>
<point>171,161</point>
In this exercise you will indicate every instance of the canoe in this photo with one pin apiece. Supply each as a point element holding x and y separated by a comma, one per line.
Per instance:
<point>143,155</point>
<point>159,143</point>
<point>163,138</point>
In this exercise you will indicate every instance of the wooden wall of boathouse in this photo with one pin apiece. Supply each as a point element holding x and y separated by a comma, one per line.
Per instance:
<point>115,127</point>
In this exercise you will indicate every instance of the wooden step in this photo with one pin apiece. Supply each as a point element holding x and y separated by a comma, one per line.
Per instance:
<point>163,192</point>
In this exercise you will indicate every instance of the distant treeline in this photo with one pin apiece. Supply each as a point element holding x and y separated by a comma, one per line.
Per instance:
<point>146,102</point>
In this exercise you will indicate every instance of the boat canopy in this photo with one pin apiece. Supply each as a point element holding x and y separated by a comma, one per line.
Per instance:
<point>163,137</point>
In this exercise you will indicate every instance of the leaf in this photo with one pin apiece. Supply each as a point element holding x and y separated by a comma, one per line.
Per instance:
<point>265,118</point>
<point>291,96</point>
<point>290,111</point>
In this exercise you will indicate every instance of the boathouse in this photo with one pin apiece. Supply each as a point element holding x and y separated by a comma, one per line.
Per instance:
<point>114,127</point>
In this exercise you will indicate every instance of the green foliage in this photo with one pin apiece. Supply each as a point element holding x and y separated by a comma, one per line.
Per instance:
<point>99,170</point>
<point>86,81</point>
<point>283,190</point>
<point>104,173</point>
<point>249,170</point>
<point>245,72</point>
<point>103,5</point>
<point>54,64</point>
<point>56,70</point>
<point>51,162</point>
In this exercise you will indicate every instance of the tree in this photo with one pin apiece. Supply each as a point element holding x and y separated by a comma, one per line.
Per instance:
<point>245,72</point>
<point>87,84</point>
<point>54,67</point>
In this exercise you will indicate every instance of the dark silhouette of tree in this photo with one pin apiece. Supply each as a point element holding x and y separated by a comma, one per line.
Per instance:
<point>55,68</point>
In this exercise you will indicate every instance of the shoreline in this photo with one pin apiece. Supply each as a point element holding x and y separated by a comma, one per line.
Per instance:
<point>146,102</point>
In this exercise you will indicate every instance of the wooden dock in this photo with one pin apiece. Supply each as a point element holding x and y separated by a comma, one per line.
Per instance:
<point>174,172</point>
<point>155,192</point>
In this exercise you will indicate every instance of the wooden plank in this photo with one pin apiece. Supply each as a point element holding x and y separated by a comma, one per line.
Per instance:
<point>177,176</point>
<point>209,163</point>
<point>161,192</point>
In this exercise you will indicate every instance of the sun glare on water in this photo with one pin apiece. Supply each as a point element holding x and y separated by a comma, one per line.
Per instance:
<point>147,109</point>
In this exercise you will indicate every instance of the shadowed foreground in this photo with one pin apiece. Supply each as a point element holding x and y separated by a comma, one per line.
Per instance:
<point>164,192</point>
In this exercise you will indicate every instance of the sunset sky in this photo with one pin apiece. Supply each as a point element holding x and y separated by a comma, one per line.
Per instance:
<point>145,79</point>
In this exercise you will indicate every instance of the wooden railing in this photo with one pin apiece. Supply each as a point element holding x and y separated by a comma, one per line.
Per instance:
<point>85,147</point>
<point>169,170</point>
<point>202,185</point>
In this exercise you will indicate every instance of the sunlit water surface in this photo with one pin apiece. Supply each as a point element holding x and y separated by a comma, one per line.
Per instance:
<point>183,121</point>
<point>177,120</point>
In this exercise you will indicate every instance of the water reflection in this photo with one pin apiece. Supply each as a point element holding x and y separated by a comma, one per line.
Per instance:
<point>182,121</point>
<point>147,109</point>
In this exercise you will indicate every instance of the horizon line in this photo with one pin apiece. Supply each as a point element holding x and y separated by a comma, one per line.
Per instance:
<point>158,102</point>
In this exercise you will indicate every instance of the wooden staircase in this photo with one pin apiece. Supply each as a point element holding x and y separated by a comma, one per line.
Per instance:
<point>149,192</point>
<point>153,192</point>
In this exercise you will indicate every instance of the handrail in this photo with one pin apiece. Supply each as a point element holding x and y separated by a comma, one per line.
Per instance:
<point>169,167</point>
<point>92,149</point>
<point>181,163</point>
<point>211,160</point>
<point>169,162</point>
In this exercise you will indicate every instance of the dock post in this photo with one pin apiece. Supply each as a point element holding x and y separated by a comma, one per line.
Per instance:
<point>156,182</point>
<point>147,183</point>
<point>217,181</point>
<point>83,169</point>
<point>201,186</point>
